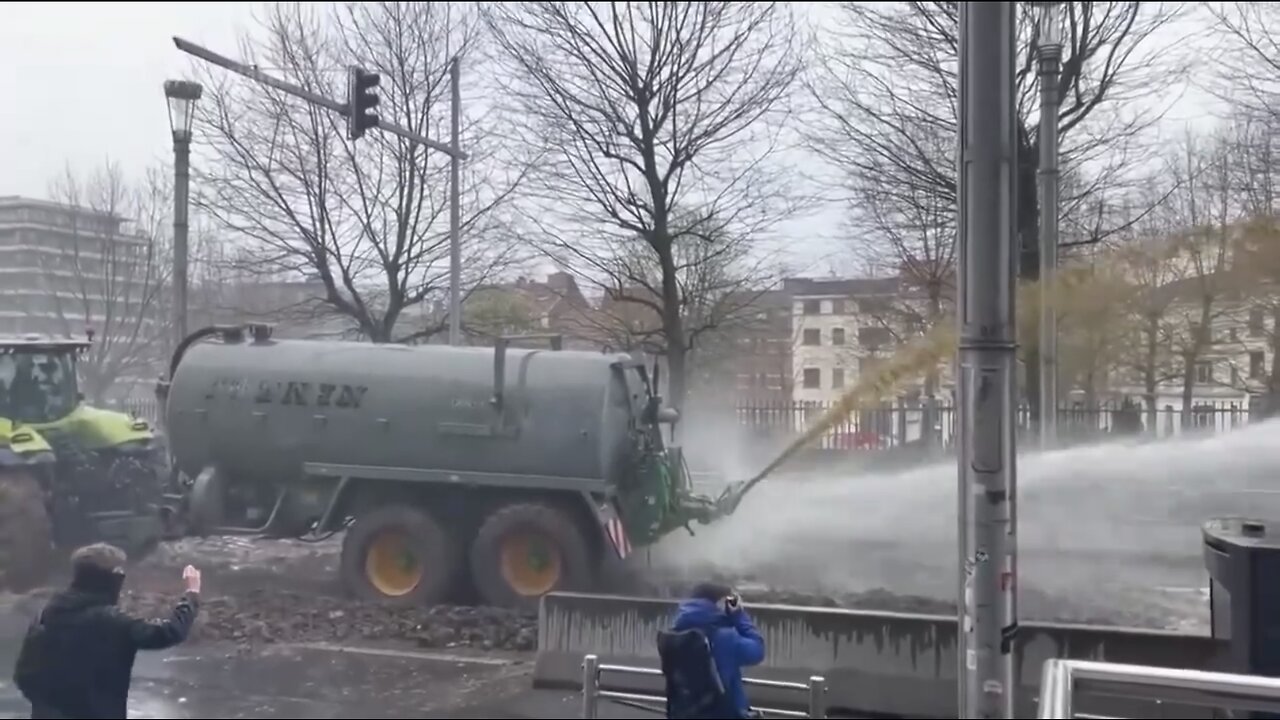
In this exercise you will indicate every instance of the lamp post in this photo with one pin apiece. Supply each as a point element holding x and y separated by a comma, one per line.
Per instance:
<point>182,96</point>
<point>1049,57</point>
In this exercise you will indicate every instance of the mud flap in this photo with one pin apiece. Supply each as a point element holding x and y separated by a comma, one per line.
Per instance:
<point>614,530</point>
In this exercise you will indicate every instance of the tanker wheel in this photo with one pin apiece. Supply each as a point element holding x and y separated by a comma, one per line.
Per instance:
<point>398,554</point>
<point>26,532</point>
<point>525,551</point>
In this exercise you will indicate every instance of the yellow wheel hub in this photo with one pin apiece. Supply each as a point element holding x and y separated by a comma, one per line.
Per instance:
<point>391,564</point>
<point>530,564</point>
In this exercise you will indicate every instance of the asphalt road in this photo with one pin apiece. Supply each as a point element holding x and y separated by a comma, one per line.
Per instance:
<point>300,681</point>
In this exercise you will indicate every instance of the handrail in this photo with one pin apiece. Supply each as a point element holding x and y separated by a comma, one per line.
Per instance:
<point>1060,679</point>
<point>592,669</point>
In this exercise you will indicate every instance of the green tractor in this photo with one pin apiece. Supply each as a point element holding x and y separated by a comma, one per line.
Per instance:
<point>70,474</point>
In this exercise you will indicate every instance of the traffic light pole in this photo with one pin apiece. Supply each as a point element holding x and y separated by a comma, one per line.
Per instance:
<point>453,150</point>
<point>455,202</point>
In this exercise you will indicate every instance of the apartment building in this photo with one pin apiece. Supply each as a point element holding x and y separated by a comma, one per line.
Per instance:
<point>840,327</point>
<point>64,270</point>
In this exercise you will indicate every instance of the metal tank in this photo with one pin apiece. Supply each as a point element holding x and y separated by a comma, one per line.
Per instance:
<point>509,470</point>
<point>259,409</point>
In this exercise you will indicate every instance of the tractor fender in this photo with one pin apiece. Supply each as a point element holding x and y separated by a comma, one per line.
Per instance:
<point>98,429</point>
<point>20,444</point>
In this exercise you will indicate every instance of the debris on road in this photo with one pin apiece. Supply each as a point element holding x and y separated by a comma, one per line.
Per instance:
<point>268,616</point>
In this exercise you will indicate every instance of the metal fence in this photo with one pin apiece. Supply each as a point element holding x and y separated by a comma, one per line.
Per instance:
<point>1060,679</point>
<point>593,692</point>
<point>904,423</point>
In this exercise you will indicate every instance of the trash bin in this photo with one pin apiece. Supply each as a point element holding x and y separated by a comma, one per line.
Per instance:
<point>1243,559</point>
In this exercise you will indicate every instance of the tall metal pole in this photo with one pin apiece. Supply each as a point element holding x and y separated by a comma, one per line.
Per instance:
<point>987,357</point>
<point>1049,50</point>
<point>181,187</point>
<point>455,203</point>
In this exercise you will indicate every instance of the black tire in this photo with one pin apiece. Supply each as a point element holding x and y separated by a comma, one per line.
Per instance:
<point>26,532</point>
<point>432,547</point>
<point>555,530</point>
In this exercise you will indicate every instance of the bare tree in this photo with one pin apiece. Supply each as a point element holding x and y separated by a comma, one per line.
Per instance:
<point>719,281</point>
<point>108,274</point>
<point>644,108</point>
<point>1248,64</point>
<point>1202,213</point>
<point>886,118</point>
<point>367,218</point>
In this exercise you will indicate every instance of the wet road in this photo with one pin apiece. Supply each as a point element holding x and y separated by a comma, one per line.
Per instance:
<point>322,681</point>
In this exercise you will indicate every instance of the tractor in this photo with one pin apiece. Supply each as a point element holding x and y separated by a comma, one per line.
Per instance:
<point>70,474</point>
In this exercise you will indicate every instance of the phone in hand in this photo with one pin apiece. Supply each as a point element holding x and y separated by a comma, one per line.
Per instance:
<point>732,604</point>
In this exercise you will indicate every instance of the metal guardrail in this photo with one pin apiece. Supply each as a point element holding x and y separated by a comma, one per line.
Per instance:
<point>592,669</point>
<point>1061,679</point>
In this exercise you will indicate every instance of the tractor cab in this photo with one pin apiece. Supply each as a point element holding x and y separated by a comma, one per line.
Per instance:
<point>38,378</point>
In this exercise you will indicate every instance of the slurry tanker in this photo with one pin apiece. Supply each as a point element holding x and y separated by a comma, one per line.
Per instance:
<point>508,470</point>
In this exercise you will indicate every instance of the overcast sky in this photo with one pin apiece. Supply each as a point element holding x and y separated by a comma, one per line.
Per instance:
<point>83,84</point>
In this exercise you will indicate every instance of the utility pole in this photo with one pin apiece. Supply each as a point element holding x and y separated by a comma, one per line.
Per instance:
<point>987,359</point>
<point>455,202</point>
<point>1049,55</point>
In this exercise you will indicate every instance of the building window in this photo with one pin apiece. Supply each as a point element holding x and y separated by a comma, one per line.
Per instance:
<point>837,336</point>
<point>812,336</point>
<point>812,378</point>
<point>874,338</point>
<point>1204,372</point>
<point>837,378</point>
<point>812,307</point>
<point>837,307</point>
<point>1257,322</point>
<point>1257,365</point>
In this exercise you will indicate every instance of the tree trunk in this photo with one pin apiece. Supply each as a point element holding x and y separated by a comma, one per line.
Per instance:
<point>928,423</point>
<point>1029,259</point>
<point>1149,368</point>
<point>1271,403</point>
<point>673,328</point>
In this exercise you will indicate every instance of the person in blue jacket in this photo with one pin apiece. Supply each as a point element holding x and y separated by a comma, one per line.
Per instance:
<point>717,612</point>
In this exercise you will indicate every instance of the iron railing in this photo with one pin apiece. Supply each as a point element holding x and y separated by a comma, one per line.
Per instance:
<point>592,692</point>
<point>1061,679</point>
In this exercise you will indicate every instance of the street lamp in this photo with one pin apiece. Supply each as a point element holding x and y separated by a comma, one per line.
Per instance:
<point>181,96</point>
<point>1049,57</point>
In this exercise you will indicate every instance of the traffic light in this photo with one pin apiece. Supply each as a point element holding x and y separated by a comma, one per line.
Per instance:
<point>362,98</point>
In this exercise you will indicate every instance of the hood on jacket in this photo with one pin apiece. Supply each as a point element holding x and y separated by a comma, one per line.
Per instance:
<point>699,613</point>
<point>91,587</point>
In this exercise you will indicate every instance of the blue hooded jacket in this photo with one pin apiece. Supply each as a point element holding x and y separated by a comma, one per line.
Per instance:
<point>735,644</point>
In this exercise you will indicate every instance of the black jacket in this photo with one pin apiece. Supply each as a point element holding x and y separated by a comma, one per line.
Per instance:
<point>93,647</point>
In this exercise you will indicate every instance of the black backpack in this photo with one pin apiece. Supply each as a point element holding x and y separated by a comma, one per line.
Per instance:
<point>694,688</point>
<point>34,672</point>
<point>44,671</point>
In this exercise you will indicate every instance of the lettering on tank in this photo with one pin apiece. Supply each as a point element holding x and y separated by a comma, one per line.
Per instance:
<point>289,392</point>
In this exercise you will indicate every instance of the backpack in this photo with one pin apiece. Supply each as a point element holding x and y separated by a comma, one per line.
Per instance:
<point>694,688</point>
<point>33,673</point>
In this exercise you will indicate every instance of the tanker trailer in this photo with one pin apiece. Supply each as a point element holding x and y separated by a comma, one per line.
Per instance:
<point>514,471</point>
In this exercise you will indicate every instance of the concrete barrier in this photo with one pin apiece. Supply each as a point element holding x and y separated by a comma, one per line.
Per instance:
<point>875,662</point>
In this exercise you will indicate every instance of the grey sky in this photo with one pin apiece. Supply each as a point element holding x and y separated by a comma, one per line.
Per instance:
<point>84,84</point>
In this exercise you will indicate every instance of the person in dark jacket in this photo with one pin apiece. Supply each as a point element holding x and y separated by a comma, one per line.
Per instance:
<point>78,657</point>
<point>735,643</point>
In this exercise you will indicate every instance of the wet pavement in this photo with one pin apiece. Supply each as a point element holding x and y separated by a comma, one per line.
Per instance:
<point>299,681</point>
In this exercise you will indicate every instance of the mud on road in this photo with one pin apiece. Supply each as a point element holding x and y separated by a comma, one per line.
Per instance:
<point>260,592</point>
